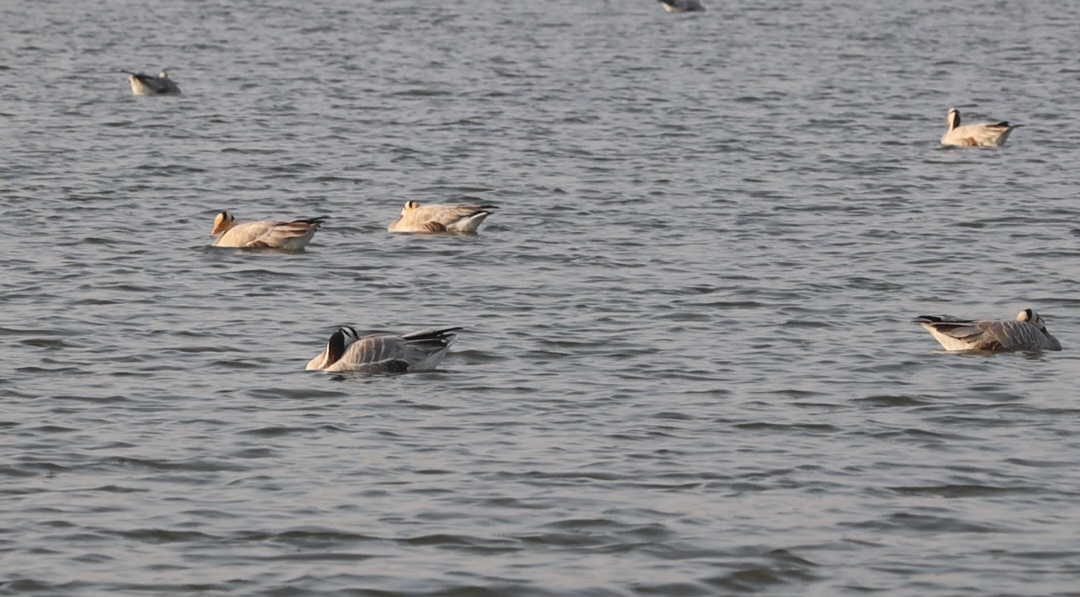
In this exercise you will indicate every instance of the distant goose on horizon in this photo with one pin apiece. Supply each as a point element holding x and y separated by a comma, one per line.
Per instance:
<point>266,234</point>
<point>143,84</point>
<point>463,218</point>
<point>982,134</point>
<point>682,5</point>
<point>1025,333</point>
<point>383,353</point>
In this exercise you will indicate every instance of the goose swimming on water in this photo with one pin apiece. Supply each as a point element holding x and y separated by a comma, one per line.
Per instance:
<point>981,134</point>
<point>1025,333</point>
<point>440,218</point>
<point>143,84</point>
<point>266,234</point>
<point>383,353</point>
<point>682,5</point>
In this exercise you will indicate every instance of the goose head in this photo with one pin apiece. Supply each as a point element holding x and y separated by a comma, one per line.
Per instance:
<point>1030,316</point>
<point>409,206</point>
<point>954,118</point>
<point>335,348</point>
<point>339,341</point>
<point>163,75</point>
<point>222,222</point>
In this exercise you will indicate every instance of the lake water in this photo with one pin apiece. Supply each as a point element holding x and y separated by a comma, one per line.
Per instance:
<point>689,366</point>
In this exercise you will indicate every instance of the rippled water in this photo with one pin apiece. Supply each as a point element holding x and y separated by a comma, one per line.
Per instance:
<point>689,366</point>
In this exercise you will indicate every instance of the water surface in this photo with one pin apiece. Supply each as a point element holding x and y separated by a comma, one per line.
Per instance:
<point>688,368</point>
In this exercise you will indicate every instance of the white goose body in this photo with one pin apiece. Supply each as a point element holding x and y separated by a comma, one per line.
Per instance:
<point>383,353</point>
<point>266,234</point>
<point>982,134</point>
<point>440,218</point>
<point>1025,333</point>
<point>143,84</point>
<point>682,5</point>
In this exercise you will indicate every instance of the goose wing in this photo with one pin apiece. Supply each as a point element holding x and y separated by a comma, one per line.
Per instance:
<point>427,341</point>
<point>282,235</point>
<point>986,335</point>
<point>978,135</point>
<point>375,349</point>
<point>144,84</point>
<point>682,5</point>
<point>448,215</point>
<point>392,353</point>
<point>151,82</point>
<point>399,225</point>
<point>242,235</point>
<point>1019,335</point>
<point>382,367</point>
<point>168,85</point>
<point>442,218</point>
<point>379,353</point>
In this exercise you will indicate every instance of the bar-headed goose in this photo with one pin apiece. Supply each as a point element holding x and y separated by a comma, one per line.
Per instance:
<point>143,84</point>
<point>266,234</point>
<point>440,218</point>
<point>383,353</point>
<point>982,134</point>
<point>682,5</point>
<point>1026,333</point>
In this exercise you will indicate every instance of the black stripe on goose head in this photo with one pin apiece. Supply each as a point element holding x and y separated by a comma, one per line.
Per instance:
<point>954,118</point>
<point>1030,316</point>
<point>222,222</point>
<point>335,348</point>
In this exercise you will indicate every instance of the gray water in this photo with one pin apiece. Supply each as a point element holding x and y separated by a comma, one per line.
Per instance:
<point>688,367</point>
